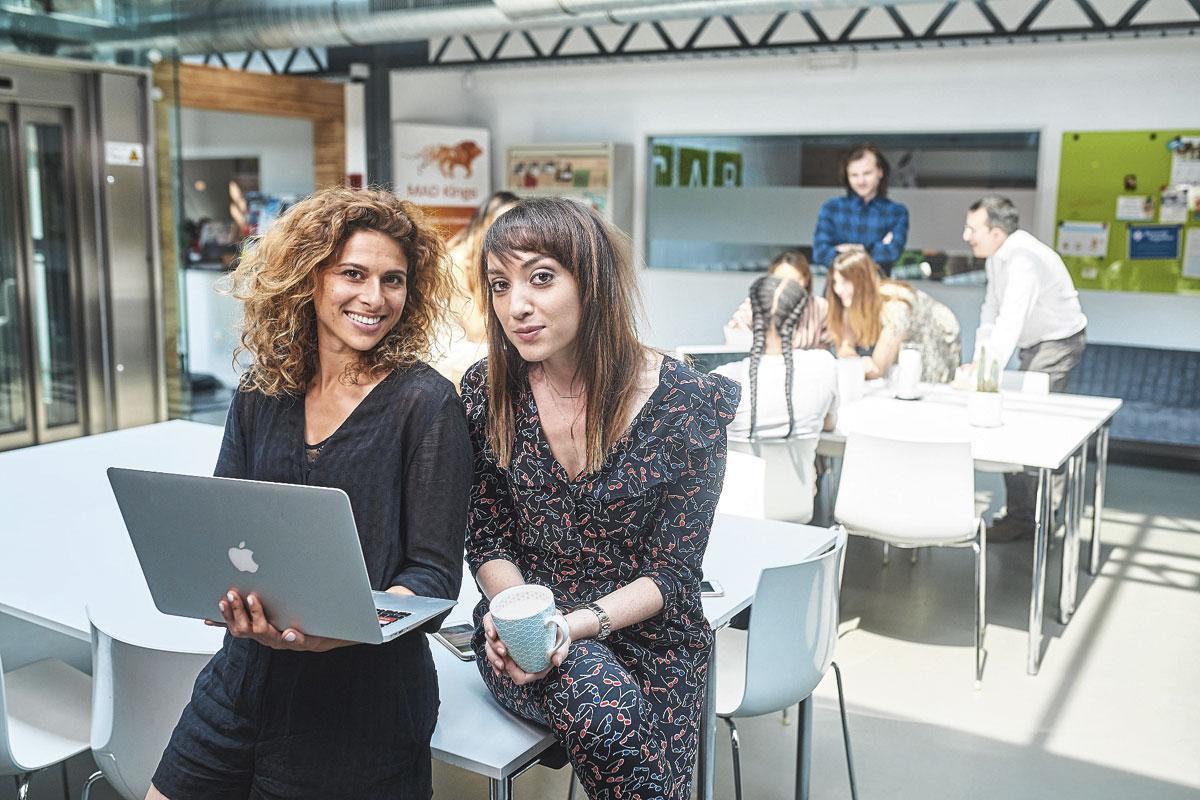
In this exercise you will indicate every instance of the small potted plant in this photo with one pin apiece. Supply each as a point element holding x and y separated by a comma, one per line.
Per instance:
<point>984,405</point>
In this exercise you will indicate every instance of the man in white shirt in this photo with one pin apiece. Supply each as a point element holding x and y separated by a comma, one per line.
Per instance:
<point>1030,304</point>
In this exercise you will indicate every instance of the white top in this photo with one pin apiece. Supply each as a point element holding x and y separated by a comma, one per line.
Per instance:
<point>814,394</point>
<point>1030,297</point>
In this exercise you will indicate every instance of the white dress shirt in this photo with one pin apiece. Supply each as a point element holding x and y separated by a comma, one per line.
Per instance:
<point>814,394</point>
<point>1030,298</point>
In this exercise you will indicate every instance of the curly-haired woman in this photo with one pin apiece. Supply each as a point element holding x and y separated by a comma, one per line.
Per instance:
<point>341,297</point>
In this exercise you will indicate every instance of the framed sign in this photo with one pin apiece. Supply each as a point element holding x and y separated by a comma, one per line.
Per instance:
<point>444,169</point>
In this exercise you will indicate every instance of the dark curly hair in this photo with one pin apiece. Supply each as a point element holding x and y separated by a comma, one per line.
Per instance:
<point>279,274</point>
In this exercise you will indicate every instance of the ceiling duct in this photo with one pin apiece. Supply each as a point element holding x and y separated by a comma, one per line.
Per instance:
<point>240,25</point>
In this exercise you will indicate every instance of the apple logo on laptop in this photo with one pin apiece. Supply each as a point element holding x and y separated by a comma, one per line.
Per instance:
<point>242,558</point>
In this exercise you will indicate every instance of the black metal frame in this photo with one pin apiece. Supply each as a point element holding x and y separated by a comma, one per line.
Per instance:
<point>823,41</point>
<point>286,68</point>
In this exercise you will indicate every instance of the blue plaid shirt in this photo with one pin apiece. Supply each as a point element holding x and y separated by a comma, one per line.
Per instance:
<point>847,219</point>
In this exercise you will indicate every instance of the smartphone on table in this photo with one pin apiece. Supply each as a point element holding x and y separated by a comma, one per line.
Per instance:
<point>457,639</point>
<point>710,588</point>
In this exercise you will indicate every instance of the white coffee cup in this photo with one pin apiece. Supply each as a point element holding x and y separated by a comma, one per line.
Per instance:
<point>908,374</point>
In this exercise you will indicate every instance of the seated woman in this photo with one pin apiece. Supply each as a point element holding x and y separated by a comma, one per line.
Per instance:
<point>341,296</point>
<point>873,317</point>
<point>810,330</point>
<point>598,465</point>
<point>463,337</point>
<point>791,393</point>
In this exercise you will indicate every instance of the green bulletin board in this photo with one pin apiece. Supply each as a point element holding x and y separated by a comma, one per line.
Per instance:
<point>1096,169</point>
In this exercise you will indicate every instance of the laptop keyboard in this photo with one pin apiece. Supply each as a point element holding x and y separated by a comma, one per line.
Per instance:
<point>387,616</point>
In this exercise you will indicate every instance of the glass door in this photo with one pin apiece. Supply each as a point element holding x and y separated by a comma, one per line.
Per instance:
<point>16,419</point>
<point>41,370</point>
<point>51,264</point>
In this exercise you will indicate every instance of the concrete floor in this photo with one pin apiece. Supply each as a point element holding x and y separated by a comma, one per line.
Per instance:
<point>1114,713</point>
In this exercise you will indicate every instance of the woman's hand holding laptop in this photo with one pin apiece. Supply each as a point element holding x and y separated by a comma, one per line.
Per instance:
<point>247,620</point>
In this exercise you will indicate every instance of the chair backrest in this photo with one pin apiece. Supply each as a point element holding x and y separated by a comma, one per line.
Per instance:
<point>742,492</point>
<point>1028,382</point>
<point>138,695</point>
<point>791,475</point>
<point>906,492</point>
<point>793,631</point>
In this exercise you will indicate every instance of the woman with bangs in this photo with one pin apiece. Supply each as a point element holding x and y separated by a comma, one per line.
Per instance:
<point>872,317</point>
<point>598,465</point>
<point>340,298</point>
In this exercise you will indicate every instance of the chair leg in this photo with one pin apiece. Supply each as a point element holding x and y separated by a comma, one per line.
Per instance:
<point>837,674</point>
<point>87,787</point>
<point>571,791</point>
<point>737,758</point>
<point>62,766</point>
<point>980,549</point>
<point>887,554</point>
<point>912,557</point>
<point>22,781</point>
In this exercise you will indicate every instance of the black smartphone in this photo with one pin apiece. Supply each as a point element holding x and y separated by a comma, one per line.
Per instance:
<point>457,639</point>
<point>709,588</point>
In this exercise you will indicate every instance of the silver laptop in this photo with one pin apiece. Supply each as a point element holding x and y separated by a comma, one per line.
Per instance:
<point>296,546</point>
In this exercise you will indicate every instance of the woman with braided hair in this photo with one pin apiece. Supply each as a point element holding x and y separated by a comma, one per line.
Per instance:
<point>787,392</point>
<point>810,331</point>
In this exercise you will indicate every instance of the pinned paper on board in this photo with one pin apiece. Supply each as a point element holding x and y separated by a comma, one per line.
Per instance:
<point>1154,242</point>
<point>1174,205</point>
<point>1191,253</point>
<point>1135,207</point>
<point>1083,238</point>
<point>1185,160</point>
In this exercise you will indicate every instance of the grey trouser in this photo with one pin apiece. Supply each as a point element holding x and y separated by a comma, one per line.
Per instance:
<point>1056,358</point>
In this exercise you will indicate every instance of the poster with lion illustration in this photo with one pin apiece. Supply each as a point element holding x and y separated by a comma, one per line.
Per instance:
<point>444,169</point>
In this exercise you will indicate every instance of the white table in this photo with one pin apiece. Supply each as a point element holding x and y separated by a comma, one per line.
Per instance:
<point>65,546</point>
<point>1042,432</point>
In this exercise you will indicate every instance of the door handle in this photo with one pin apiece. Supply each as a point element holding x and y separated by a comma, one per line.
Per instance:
<point>6,303</point>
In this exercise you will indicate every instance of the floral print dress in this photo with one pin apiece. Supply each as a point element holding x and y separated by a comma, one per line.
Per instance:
<point>626,709</point>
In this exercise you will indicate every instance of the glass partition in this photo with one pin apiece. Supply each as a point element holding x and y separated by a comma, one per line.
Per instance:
<point>730,203</point>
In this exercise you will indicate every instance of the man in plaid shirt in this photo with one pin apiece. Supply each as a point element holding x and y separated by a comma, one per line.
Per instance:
<point>864,218</point>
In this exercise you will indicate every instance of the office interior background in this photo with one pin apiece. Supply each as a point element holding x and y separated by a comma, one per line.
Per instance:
<point>142,142</point>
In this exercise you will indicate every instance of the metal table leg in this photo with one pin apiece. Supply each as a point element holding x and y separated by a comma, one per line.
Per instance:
<point>1037,592</point>
<point>804,747</point>
<point>1072,508</point>
<point>708,730</point>
<point>499,789</point>
<point>1098,503</point>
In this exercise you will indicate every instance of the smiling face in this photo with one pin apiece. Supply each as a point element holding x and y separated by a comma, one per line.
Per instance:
<point>536,302</point>
<point>984,239</point>
<point>864,176</point>
<point>360,297</point>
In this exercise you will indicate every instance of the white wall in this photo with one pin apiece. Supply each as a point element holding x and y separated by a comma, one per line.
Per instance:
<point>282,145</point>
<point>1051,88</point>
<point>356,129</point>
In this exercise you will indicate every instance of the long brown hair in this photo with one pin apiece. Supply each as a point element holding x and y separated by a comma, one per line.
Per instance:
<point>279,274</point>
<point>610,356</point>
<point>864,275</point>
<point>470,239</point>
<point>775,303</point>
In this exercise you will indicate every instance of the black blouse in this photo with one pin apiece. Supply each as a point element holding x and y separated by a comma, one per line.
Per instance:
<point>404,458</point>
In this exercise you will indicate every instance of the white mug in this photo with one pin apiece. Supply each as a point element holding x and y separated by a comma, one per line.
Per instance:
<point>908,373</point>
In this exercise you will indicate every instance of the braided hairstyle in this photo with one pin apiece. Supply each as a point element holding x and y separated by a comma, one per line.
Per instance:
<point>774,302</point>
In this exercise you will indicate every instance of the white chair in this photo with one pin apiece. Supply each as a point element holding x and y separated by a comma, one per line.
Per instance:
<point>789,648</point>
<point>1012,380</point>
<point>45,712</point>
<point>915,494</point>
<point>139,695</point>
<point>742,492</point>
<point>791,475</point>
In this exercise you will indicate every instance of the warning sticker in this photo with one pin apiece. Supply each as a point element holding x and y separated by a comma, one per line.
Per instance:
<point>129,154</point>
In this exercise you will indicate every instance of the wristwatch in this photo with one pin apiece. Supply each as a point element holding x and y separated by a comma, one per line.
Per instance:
<point>605,621</point>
